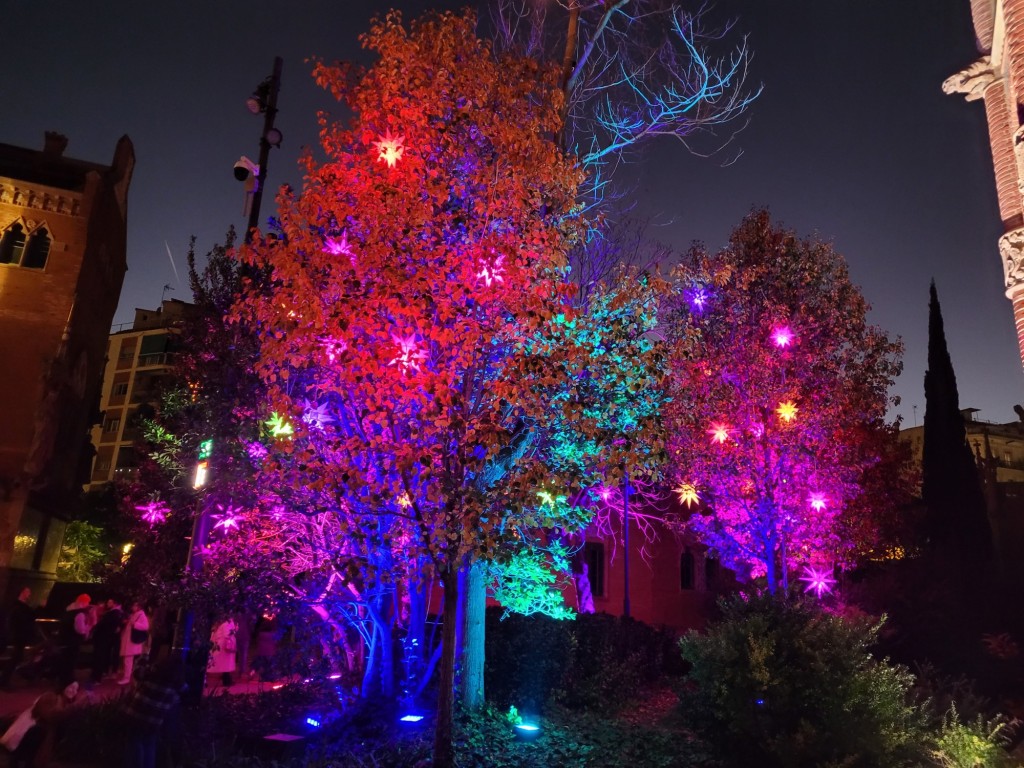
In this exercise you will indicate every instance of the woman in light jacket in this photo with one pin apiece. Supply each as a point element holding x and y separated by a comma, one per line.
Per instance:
<point>222,654</point>
<point>136,624</point>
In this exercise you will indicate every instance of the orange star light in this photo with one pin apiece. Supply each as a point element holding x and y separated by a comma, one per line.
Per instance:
<point>787,411</point>
<point>688,495</point>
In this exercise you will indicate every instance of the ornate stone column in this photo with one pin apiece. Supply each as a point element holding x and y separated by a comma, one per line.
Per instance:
<point>1011,249</point>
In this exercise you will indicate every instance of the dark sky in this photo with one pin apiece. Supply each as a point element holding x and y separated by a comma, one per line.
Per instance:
<point>852,139</point>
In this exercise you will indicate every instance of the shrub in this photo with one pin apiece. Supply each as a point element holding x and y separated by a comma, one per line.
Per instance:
<point>594,661</point>
<point>780,682</point>
<point>974,744</point>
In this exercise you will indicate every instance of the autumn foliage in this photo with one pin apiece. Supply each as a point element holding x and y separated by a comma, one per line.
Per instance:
<point>778,382</point>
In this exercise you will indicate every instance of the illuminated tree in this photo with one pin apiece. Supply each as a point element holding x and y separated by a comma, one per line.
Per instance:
<point>420,350</point>
<point>630,71</point>
<point>776,379</point>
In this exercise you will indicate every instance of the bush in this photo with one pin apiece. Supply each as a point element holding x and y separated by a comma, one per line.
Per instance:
<point>974,744</point>
<point>781,682</point>
<point>594,661</point>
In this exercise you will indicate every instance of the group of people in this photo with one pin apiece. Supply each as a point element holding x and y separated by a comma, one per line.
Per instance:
<point>118,637</point>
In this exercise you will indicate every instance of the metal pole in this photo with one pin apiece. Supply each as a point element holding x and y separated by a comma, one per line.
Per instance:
<point>268,124</point>
<point>625,536</point>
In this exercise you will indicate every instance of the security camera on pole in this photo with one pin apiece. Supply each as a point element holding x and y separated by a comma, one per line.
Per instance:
<point>263,100</point>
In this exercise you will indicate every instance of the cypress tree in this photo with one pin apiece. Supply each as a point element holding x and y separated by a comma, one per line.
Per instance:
<point>956,517</point>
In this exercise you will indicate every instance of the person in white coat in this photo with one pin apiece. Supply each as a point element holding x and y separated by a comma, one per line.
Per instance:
<point>134,637</point>
<point>224,647</point>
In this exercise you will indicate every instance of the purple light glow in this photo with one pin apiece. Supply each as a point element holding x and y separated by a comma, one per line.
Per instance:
<point>698,298</point>
<point>154,512</point>
<point>819,581</point>
<point>817,501</point>
<point>782,337</point>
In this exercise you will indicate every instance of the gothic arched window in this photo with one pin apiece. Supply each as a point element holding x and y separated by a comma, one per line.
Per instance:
<point>37,251</point>
<point>12,245</point>
<point>686,569</point>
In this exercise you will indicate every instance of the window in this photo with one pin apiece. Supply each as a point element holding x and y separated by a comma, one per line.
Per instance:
<point>111,425</point>
<point>103,464</point>
<point>710,573</point>
<point>37,251</point>
<point>593,557</point>
<point>120,389</point>
<point>686,569</point>
<point>12,245</point>
<point>18,250</point>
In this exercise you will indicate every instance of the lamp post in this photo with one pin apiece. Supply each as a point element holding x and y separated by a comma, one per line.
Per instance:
<point>264,101</point>
<point>625,535</point>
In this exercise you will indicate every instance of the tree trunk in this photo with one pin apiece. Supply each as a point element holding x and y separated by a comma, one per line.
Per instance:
<point>471,681</point>
<point>444,754</point>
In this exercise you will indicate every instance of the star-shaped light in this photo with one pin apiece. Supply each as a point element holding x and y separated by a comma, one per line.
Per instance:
<point>257,451</point>
<point>719,432</point>
<point>698,298</point>
<point>339,246</point>
<point>410,354</point>
<point>316,415</point>
<point>688,495</point>
<point>604,493</point>
<point>154,512</point>
<point>787,411</point>
<point>493,272</point>
<point>390,148</point>
<point>279,426</point>
<point>817,501</point>
<point>819,581</point>
<point>229,519</point>
<point>783,336</point>
<point>404,501</point>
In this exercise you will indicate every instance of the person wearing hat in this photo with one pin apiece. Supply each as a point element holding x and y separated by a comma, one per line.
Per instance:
<point>74,629</point>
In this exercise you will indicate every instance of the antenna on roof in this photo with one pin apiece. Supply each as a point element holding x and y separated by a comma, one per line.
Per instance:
<point>163,293</point>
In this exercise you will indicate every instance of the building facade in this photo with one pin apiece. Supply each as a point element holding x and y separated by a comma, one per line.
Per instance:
<point>63,229</point>
<point>997,80</point>
<point>138,357</point>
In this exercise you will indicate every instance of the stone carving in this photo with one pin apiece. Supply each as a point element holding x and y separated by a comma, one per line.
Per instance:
<point>972,81</point>
<point>46,201</point>
<point>1011,249</point>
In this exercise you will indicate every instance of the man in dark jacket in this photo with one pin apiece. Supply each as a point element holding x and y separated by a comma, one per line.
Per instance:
<point>21,628</point>
<point>105,640</point>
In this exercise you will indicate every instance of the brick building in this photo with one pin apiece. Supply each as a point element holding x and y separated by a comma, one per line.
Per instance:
<point>62,262</point>
<point>137,358</point>
<point>997,79</point>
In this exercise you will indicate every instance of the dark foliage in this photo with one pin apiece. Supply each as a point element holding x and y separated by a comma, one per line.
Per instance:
<point>597,661</point>
<point>781,682</point>
<point>956,517</point>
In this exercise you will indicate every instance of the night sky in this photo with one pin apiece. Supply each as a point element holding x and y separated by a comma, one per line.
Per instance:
<point>852,139</point>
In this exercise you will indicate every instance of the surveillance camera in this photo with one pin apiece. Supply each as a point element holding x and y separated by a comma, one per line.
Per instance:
<point>245,168</point>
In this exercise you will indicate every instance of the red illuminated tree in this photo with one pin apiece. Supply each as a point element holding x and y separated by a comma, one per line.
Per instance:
<point>776,379</point>
<point>418,344</point>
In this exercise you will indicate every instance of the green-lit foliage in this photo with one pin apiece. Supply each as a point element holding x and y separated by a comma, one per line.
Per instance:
<point>974,744</point>
<point>529,581</point>
<point>83,552</point>
<point>781,682</point>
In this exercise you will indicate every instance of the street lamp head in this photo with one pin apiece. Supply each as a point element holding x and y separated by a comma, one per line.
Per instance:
<point>274,137</point>
<point>253,105</point>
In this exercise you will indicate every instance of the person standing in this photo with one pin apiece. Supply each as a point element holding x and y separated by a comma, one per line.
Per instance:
<point>105,637</point>
<point>133,640</point>
<point>148,709</point>
<point>222,655</point>
<point>21,625</point>
<point>74,629</point>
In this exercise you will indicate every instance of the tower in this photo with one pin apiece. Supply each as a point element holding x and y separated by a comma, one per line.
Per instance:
<point>63,230</point>
<point>997,79</point>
